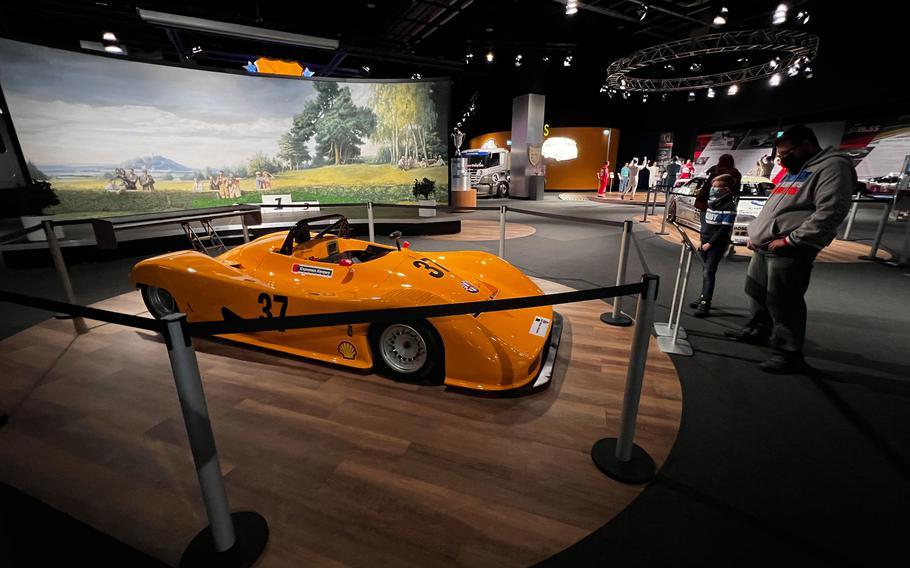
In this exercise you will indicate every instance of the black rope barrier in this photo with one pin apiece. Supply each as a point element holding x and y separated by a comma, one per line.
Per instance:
<point>641,256</point>
<point>567,218</point>
<point>19,234</point>
<point>108,316</point>
<point>396,314</point>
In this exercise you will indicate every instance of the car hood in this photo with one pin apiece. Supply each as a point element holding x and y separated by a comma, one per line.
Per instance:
<point>446,277</point>
<point>751,206</point>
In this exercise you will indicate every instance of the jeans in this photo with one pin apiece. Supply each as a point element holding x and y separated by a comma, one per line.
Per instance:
<point>776,285</point>
<point>711,258</point>
<point>623,182</point>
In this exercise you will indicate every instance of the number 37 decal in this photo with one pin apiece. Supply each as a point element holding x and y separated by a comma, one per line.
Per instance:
<point>434,272</point>
<point>266,302</point>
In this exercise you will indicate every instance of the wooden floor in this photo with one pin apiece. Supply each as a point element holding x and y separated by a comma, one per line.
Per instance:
<point>349,470</point>
<point>638,199</point>
<point>480,230</point>
<point>838,252</point>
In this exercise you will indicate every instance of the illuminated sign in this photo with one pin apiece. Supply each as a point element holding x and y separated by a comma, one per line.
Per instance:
<point>559,149</point>
<point>489,144</point>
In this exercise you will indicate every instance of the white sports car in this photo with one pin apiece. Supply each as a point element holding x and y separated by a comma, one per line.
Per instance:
<point>753,194</point>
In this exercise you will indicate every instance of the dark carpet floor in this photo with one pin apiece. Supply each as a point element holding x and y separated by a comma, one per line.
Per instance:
<point>811,470</point>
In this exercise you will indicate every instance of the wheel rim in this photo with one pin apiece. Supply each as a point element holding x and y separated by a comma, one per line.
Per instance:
<point>403,348</point>
<point>161,303</point>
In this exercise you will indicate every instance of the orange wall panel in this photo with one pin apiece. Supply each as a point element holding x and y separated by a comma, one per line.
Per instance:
<point>577,174</point>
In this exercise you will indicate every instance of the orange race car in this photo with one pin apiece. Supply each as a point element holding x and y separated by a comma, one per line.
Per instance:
<point>302,272</point>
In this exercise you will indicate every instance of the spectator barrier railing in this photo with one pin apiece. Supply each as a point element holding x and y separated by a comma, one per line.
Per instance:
<point>237,539</point>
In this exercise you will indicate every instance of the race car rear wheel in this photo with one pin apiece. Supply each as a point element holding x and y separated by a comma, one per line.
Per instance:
<point>407,351</point>
<point>159,301</point>
<point>671,212</point>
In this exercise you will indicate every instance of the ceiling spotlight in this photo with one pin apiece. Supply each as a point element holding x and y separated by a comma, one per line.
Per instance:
<point>663,98</point>
<point>802,18</point>
<point>626,94</point>
<point>113,49</point>
<point>416,76</point>
<point>774,62</point>
<point>669,67</point>
<point>197,49</point>
<point>545,58</point>
<point>780,14</point>
<point>603,88</point>
<point>721,18</point>
<point>622,84</point>
<point>365,68</point>
<point>571,7</point>
<point>109,36</point>
<point>743,60</point>
<point>808,72</point>
<point>691,97</point>
<point>733,89</point>
<point>793,70</point>
<point>710,93</point>
<point>518,60</point>
<point>695,67</point>
<point>642,12</point>
<point>568,61</point>
<point>774,80</point>
<point>644,98</point>
<point>490,56</point>
<point>468,57</point>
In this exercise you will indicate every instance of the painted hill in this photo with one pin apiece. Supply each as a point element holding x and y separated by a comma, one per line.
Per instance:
<point>154,163</point>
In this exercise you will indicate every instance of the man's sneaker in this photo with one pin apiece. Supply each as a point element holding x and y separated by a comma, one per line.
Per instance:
<point>781,364</point>
<point>747,335</point>
<point>694,303</point>
<point>703,309</point>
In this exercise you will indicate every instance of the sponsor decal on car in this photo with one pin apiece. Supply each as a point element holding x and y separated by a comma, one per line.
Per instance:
<point>467,286</point>
<point>347,350</point>
<point>540,327</point>
<point>312,270</point>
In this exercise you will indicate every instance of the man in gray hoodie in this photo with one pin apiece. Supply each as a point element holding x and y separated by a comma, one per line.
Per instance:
<point>798,220</point>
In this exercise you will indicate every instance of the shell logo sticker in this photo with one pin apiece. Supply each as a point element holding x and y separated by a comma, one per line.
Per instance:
<point>347,350</point>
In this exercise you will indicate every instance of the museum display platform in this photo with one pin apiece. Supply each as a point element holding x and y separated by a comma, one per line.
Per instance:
<point>347,468</point>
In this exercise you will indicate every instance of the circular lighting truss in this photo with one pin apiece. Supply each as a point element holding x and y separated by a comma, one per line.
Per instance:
<point>794,49</point>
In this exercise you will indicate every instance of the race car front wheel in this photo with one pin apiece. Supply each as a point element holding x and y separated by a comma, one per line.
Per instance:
<point>407,351</point>
<point>159,301</point>
<point>671,212</point>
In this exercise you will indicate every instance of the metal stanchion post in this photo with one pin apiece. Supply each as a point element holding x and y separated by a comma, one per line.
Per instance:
<point>666,329</point>
<point>654,202</point>
<point>245,228</point>
<point>502,231</point>
<point>663,223</point>
<point>675,344</point>
<point>616,317</point>
<point>644,218</point>
<point>873,252</point>
<point>230,539</point>
<point>370,225</point>
<point>57,255</point>
<point>620,458</point>
<point>851,217</point>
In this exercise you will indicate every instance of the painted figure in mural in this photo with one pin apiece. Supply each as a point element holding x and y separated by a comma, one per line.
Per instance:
<point>221,185</point>
<point>258,181</point>
<point>267,180</point>
<point>147,181</point>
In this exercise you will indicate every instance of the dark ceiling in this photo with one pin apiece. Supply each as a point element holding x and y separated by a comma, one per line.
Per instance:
<point>859,60</point>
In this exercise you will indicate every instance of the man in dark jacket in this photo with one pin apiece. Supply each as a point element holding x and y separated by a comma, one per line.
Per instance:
<point>798,220</point>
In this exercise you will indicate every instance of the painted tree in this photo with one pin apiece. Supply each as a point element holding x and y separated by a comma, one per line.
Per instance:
<point>407,120</point>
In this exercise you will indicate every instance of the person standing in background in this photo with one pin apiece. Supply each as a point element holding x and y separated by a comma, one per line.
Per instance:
<point>603,178</point>
<point>688,170</point>
<point>623,177</point>
<point>644,177</point>
<point>654,170</point>
<point>633,179</point>
<point>673,170</point>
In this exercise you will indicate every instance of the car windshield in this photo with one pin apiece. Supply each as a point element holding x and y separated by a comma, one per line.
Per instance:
<point>760,189</point>
<point>484,160</point>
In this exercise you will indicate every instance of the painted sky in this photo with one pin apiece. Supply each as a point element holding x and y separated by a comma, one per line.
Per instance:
<point>77,109</point>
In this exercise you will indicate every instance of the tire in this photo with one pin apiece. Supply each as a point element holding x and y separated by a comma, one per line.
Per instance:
<point>159,301</point>
<point>502,189</point>
<point>671,212</point>
<point>408,351</point>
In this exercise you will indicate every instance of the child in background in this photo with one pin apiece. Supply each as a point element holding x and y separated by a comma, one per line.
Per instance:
<point>715,237</point>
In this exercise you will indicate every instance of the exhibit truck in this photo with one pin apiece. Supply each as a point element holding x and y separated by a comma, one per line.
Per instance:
<point>489,169</point>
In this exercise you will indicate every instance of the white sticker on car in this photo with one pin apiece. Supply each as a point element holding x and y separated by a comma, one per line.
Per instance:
<point>312,270</point>
<point>540,327</point>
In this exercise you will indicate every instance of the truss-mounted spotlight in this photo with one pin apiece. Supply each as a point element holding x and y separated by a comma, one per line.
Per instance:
<point>663,97</point>
<point>802,17</point>
<point>109,36</point>
<point>691,97</point>
<point>518,60</point>
<point>416,76</point>
<point>366,68</point>
<point>644,98</point>
<point>642,12</point>
<point>780,14</point>
<point>626,94</point>
<point>774,80</point>
<point>623,84</point>
<point>571,7</point>
<point>710,93</point>
<point>197,50</point>
<point>721,18</point>
<point>793,70</point>
<point>468,57</point>
<point>603,88</point>
<point>669,67</point>
<point>774,62</point>
<point>733,89</point>
<point>695,66</point>
<point>808,72</point>
<point>545,58</point>
<point>567,62</point>
<point>490,56</point>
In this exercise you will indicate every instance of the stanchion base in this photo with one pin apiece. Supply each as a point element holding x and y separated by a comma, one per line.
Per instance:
<point>621,320</point>
<point>896,263</point>
<point>664,330</point>
<point>662,233</point>
<point>679,347</point>
<point>638,470</point>
<point>252,533</point>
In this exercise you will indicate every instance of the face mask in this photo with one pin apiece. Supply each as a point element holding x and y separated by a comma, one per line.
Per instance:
<point>716,192</point>
<point>792,162</point>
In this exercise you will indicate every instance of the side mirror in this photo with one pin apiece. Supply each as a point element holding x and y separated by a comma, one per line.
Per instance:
<point>397,236</point>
